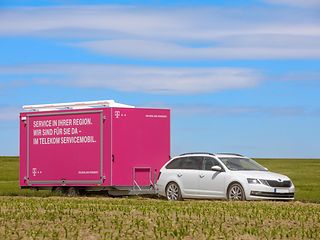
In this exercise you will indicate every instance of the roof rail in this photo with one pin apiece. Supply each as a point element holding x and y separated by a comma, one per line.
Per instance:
<point>235,154</point>
<point>75,105</point>
<point>190,153</point>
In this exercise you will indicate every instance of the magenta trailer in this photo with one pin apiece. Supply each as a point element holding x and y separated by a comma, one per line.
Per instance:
<point>97,145</point>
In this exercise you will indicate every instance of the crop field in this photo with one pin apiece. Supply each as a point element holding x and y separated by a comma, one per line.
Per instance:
<point>41,215</point>
<point>305,174</point>
<point>141,218</point>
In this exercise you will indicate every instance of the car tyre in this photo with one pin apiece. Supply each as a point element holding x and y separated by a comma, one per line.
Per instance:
<point>236,192</point>
<point>173,192</point>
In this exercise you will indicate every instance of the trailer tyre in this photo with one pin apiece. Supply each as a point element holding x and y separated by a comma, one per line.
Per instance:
<point>73,192</point>
<point>173,192</point>
<point>59,190</point>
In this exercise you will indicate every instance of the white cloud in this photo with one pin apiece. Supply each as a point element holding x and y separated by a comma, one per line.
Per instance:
<point>169,80</point>
<point>296,3</point>
<point>261,49</point>
<point>174,33</point>
<point>114,20</point>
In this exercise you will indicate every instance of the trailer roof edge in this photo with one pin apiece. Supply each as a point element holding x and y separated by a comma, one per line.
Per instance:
<point>75,105</point>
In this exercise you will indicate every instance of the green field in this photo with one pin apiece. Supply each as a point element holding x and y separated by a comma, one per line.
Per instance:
<point>26,214</point>
<point>305,174</point>
<point>142,218</point>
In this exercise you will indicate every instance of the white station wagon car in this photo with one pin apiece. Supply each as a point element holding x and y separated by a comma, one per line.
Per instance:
<point>221,176</point>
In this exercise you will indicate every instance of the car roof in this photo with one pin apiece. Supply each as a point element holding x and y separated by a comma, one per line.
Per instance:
<point>235,155</point>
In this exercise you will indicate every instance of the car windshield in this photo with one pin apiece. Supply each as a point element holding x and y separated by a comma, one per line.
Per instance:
<point>242,164</point>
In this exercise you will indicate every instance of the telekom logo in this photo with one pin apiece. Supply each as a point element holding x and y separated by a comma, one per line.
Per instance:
<point>117,114</point>
<point>36,171</point>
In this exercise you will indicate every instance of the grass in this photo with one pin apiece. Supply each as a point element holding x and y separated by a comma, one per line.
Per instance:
<point>9,179</point>
<point>305,174</point>
<point>44,216</point>
<point>142,218</point>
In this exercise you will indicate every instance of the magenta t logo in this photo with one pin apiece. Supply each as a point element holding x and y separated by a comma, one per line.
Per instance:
<point>117,114</point>
<point>34,171</point>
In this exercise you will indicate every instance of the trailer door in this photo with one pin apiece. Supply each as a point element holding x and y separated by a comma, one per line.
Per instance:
<point>65,148</point>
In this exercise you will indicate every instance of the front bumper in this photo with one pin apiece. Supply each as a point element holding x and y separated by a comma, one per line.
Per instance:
<point>288,195</point>
<point>261,192</point>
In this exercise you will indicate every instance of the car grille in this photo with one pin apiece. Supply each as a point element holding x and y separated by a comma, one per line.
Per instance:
<point>272,194</point>
<point>273,183</point>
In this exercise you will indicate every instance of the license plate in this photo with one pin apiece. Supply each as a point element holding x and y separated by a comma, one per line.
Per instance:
<point>281,190</point>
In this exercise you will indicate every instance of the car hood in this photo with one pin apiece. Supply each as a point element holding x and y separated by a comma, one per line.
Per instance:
<point>262,175</point>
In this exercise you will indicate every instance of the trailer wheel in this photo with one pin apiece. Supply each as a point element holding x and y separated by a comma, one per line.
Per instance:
<point>73,192</point>
<point>58,190</point>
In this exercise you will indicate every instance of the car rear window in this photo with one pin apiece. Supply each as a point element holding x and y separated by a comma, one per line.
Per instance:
<point>175,164</point>
<point>186,163</point>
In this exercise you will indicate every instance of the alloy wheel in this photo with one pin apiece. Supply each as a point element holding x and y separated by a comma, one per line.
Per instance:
<point>236,192</point>
<point>173,192</point>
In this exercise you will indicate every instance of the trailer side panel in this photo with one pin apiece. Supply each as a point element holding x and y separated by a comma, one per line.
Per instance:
<point>140,146</point>
<point>62,148</point>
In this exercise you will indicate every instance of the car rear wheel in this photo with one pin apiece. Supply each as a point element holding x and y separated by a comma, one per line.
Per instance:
<point>236,192</point>
<point>173,192</point>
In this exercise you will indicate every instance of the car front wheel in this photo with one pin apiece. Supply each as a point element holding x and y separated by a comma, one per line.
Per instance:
<point>236,192</point>
<point>173,192</point>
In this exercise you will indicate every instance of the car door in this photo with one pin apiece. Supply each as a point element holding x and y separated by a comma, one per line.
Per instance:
<point>188,174</point>
<point>211,183</point>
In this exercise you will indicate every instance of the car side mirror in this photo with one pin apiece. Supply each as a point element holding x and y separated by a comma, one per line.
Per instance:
<point>216,168</point>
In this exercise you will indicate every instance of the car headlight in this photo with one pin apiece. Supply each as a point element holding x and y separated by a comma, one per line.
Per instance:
<point>253,181</point>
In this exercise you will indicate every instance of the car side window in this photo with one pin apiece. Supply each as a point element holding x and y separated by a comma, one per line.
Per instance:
<point>194,163</point>
<point>208,163</point>
<point>175,164</point>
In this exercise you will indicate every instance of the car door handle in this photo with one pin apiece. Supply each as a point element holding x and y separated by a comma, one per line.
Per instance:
<point>201,175</point>
<point>179,174</point>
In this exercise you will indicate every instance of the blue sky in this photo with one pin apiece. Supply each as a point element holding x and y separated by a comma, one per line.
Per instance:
<point>239,76</point>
